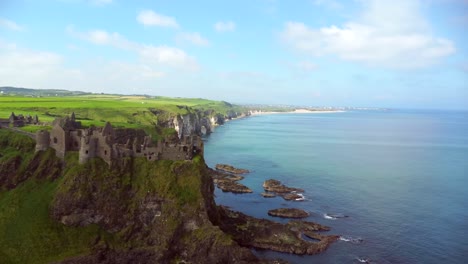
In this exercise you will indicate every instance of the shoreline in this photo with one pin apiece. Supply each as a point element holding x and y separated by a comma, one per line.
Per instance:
<point>297,111</point>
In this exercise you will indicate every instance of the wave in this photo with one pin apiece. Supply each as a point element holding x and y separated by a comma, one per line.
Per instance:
<point>354,240</point>
<point>334,216</point>
<point>363,260</point>
<point>302,197</point>
<point>326,216</point>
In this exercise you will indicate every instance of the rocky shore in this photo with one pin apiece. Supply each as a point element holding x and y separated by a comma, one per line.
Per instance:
<point>295,237</point>
<point>265,234</point>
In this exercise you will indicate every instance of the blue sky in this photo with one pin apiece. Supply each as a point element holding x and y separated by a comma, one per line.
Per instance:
<point>395,53</point>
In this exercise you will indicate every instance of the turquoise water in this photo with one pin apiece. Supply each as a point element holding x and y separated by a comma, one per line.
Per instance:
<point>400,176</point>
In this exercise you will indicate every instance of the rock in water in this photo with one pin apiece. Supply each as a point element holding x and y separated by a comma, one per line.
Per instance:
<point>288,193</point>
<point>230,169</point>
<point>229,182</point>
<point>276,186</point>
<point>232,186</point>
<point>288,213</point>
<point>266,234</point>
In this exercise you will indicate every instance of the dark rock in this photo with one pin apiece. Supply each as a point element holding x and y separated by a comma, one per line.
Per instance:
<point>228,182</point>
<point>288,213</point>
<point>268,195</point>
<point>265,234</point>
<point>292,197</point>
<point>230,169</point>
<point>276,186</point>
<point>232,186</point>
<point>288,193</point>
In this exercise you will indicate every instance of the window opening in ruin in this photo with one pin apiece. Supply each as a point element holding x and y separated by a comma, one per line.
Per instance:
<point>76,143</point>
<point>86,152</point>
<point>55,140</point>
<point>105,152</point>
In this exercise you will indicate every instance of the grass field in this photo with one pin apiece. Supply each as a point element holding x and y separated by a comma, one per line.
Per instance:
<point>121,111</point>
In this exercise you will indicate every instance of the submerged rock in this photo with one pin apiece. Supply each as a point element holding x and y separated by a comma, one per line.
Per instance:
<point>268,195</point>
<point>230,169</point>
<point>288,213</point>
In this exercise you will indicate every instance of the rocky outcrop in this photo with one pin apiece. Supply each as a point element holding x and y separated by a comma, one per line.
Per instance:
<point>288,193</point>
<point>230,169</point>
<point>161,208</point>
<point>266,234</point>
<point>196,122</point>
<point>229,182</point>
<point>288,213</point>
<point>232,186</point>
<point>276,186</point>
<point>145,212</point>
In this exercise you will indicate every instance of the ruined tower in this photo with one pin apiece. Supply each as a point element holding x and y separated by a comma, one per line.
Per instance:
<point>87,147</point>
<point>42,140</point>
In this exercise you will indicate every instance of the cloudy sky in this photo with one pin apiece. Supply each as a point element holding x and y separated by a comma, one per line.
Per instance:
<point>388,53</point>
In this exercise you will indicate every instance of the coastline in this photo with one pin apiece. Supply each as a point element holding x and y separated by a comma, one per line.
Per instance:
<point>297,111</point>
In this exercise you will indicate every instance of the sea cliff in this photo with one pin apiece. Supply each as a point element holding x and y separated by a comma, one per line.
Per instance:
<point>196,122</point>
<point>138,211</point>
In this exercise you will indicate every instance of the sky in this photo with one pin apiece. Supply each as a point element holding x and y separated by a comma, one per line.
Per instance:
<point>362,53</point>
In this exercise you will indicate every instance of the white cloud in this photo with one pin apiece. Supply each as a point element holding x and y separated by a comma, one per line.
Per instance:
<point>10,25</point>
<point>29,68</point>
<point>386,34</point>
<point>102,37</point>
<point>193,38</point>
<point>155,55</point>
<point>150,18</point>
<point>224,26</point>
<point>42,69</point>
<point>170,56</point>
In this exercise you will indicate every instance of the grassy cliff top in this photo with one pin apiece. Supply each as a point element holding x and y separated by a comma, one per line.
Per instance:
<point>120,110</point>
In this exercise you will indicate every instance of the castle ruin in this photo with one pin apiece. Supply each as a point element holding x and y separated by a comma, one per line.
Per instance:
<point>20,120</point>
<point>67,134</point>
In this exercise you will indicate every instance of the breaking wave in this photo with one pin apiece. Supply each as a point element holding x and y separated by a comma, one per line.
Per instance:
<point>354,240</point>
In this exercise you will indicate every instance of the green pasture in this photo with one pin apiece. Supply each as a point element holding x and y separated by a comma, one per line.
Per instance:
<point>121,111</point>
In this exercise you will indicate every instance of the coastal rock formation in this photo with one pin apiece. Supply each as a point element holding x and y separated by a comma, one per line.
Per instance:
<point>265,234</point>
<point>230,169</point>
<point>276,186</point>
<point>195,121</point>
<point>292,197</point>
<point>229,182</point>
<point>232,186</point>
<point>288,193</point>
<point>288,213</point>
<point>135,211</point>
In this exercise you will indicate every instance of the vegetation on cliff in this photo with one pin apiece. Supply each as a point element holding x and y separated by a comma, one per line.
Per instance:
<point>149,212</point>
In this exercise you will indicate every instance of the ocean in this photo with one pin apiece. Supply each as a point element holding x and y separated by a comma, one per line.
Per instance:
<point>401,177</point>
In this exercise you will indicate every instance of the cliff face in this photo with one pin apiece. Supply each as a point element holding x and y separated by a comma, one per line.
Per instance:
<point>138,211</point>
<point>198,122</point>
